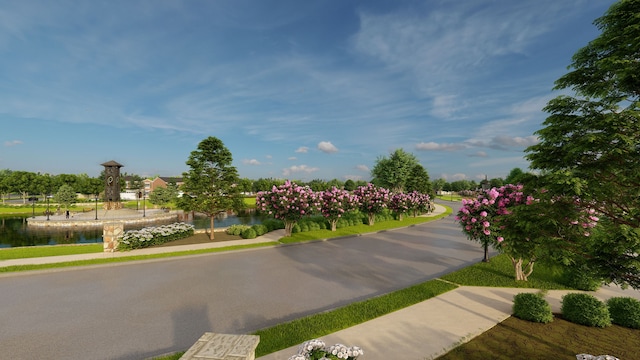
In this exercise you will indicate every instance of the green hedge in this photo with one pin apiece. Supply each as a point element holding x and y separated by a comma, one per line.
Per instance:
<point>585,309</point>
<point>532,307</point>
<point>625,311</point>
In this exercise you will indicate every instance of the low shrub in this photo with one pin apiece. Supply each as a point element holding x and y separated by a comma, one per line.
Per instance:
<point>260,229</point>
<point>585,309</point>
<point>248,233</point>
<point>273,224</point>
<point>532,307</point>
<point>295,228</point>
<point>625,311</point>
<point>236,229</point>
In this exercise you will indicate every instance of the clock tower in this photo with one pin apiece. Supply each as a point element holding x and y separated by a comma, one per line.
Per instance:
<point>112,185</point>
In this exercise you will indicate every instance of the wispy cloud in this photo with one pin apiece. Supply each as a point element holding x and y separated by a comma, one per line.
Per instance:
<point>302,149</point>
<point>251,162</point>
<point>364,168</point>
<point>12,143</point>
<point>433,146</point>
<point>299,169</point>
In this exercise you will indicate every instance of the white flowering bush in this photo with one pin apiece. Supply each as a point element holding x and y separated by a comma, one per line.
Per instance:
<point>155,235</point>
<point>317,350</point>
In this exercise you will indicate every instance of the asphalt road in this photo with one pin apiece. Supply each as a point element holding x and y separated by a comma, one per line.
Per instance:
<point>144,309</point>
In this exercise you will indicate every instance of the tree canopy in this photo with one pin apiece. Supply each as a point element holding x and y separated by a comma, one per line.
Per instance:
<point>211,184</point>
<point>397,171</point>
<point>589,145</point>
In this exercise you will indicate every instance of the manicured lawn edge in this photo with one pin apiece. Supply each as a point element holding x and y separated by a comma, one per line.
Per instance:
<point>298,331</point>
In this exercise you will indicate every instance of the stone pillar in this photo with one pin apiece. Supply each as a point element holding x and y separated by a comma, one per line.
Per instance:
<point>110,234</point>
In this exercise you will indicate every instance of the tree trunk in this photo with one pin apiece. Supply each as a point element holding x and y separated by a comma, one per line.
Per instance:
<point>400,216</point>
<point>522,274</point>
<point>288,226</point>
<point>333,224</point>
<point>486,252</point>
<point>211,235</point>
<point>371,219</point>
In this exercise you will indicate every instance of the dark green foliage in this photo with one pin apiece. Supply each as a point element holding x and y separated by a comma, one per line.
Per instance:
<point>273,224</point>
<point>295,229</point>
<point>625,311</point>
<point>585,309</point>
<point>581,278</point>
<point>532,307</point>
<point>248,233</point>
<point>236,229</point>
<point>260,229</point>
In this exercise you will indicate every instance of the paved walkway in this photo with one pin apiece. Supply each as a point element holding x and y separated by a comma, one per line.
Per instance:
<point>422,331</point>
<point>435,326</point>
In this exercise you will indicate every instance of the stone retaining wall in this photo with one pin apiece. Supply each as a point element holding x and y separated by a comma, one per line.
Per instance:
<point>100,222</point>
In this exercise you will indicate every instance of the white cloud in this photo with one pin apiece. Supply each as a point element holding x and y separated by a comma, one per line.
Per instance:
<point>364,168</point>
<point>327,147</point>
<point>12,143</point>
<point>458,176</point>
<point>292,158</point>
<point>302,149</point>
<point>432,146</point>
<point>251,162</point>
<point>299,169</point>
<point>515,141</point>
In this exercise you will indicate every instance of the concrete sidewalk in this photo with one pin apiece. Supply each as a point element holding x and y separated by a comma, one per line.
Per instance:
<point>435,326</point>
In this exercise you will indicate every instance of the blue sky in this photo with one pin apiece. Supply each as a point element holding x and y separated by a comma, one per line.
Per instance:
<point>301,90</point>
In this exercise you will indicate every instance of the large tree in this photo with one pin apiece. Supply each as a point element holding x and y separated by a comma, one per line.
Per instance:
<point>590,146</point>
<point>210,185</point>
<point>394,172</point>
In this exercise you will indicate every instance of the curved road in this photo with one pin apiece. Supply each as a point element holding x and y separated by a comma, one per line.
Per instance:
<point>144,309</point>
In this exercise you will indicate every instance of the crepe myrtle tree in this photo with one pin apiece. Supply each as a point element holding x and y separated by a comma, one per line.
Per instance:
<point>371,200</point>
<point>524,227</point>
<point>288,202</point>
<point>334,203</point>
<point>399,204</point>
<point>210,185</point>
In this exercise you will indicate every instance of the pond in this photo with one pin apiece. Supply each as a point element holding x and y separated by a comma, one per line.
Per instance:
<point>15,232</point>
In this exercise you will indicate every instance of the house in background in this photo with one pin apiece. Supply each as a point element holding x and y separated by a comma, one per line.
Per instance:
<point>161,181</point>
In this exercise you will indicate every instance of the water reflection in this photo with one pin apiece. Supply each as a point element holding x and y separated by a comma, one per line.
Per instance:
<point>15,232</point>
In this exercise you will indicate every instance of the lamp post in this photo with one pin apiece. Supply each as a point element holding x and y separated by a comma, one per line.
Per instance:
<point>33,207</point>
<point>144,205</point>
<point>47,207</point>
<point>96,206</point>
<point>138,200</point>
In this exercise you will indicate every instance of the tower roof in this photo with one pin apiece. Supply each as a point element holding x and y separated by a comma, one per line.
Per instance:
<point>112,163</point>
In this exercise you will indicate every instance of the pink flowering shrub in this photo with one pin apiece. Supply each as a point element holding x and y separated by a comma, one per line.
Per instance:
<point>371,200</point>
<point>334,203</point>
<point>400,204</point>
<point>288,202</point>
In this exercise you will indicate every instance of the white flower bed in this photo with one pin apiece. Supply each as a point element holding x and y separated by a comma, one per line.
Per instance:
<point>317,349</point>
<point>155,235</point>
